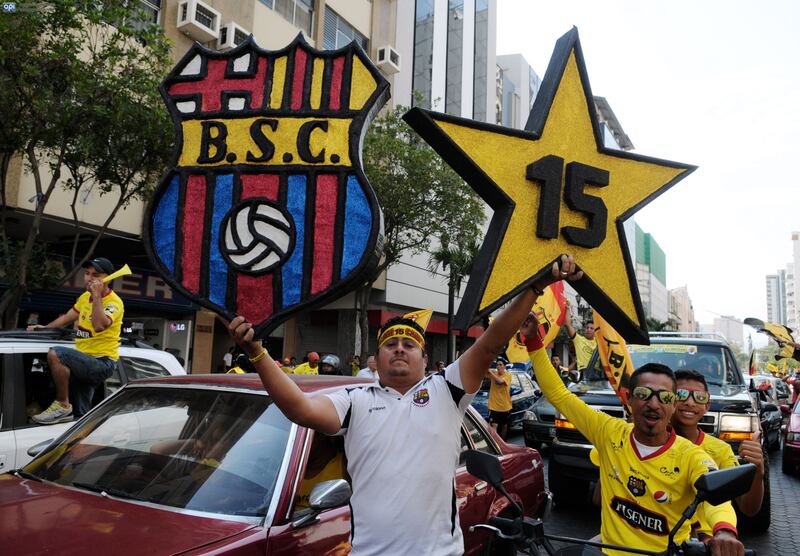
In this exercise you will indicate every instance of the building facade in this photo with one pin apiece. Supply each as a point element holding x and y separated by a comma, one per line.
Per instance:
<point>776,297</point>
<point>730,328</point>
<point>651,275</point>
<point>681,310</point>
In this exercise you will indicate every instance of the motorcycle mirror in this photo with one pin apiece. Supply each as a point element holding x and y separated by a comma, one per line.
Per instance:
<point>716,487</point>
<point>484,466</point>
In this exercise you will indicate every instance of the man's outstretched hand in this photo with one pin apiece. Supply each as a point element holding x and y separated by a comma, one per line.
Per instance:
<point>243,334</point>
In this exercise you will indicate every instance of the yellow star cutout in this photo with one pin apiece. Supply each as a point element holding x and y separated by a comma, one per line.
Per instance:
<point>554,188</point>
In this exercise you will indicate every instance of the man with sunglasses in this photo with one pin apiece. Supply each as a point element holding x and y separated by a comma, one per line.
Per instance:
<point>691,405</point>
<point>647,472</point>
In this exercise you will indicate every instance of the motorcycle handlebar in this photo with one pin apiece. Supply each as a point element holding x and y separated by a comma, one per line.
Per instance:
<point>508,526</point>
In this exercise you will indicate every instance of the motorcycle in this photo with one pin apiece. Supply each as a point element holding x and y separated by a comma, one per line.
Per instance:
<point>528,536</point>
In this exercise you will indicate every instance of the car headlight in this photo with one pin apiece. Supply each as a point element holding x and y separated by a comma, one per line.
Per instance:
<point>793,437</point>
<point>739,423</point>
<point>530,416</point>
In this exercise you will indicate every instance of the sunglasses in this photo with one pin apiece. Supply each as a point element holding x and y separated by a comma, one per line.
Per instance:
<point>700,396</point>
<point>643,393</point>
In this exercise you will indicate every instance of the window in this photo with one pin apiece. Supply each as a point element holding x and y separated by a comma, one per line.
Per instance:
<point>151,10</point>
<point>326,462</point>
<point>479,439</point>
<point>480,78</point>
<point>40,391</point>
<point>462,456</point>
<point>136,367</point>
<point>337,32</point>
<point>297,12</point>
<point>455,52</point>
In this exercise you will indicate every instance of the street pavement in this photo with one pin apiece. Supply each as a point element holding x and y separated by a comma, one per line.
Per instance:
<point>782,538</point>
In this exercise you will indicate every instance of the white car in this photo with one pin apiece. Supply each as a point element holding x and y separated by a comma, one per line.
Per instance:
<point>26,387</point>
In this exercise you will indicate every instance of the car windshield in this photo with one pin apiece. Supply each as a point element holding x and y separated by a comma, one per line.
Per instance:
<point>196,449</point>
<point>710,360</point>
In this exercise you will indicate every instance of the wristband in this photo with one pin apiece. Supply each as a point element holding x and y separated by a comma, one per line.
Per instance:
<point>532,343</point>
<point>259,357</point>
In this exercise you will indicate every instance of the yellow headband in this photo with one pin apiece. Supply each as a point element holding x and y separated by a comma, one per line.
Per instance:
<point>402,331</point>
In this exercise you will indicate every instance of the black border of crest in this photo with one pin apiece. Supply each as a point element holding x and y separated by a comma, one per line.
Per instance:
<point>365,270</point>
<point>424,123</point>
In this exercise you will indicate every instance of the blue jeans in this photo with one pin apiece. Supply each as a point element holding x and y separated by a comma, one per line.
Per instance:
<point>86,373</point>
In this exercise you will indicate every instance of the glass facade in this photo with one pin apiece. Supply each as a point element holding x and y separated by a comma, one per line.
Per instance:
<point>423,53</point>
<point>455,54</point>
<point>480,83</point>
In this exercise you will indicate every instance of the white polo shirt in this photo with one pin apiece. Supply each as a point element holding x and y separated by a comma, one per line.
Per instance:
<point>402,452</point>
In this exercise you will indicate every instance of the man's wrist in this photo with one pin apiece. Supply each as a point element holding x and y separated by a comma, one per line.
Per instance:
<point>724,527</point>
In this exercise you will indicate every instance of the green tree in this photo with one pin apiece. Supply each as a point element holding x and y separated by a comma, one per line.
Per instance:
<point>455,253</point>
<point>421,196</point>
<point>81,80</point>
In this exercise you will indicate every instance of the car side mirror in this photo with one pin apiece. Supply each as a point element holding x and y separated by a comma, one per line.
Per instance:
<point>785,409</point>
<point>716,487</point>
<point>329,494</point>
<point>36,449</point>
<point>485,466</point>
<point>324,496</point>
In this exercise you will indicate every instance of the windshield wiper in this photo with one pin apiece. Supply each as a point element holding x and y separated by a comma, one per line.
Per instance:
<point>26,475</point>
<point>105,491</point>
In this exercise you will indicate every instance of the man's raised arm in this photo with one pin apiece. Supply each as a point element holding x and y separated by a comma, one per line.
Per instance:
<point>476,359</point>
<point>317,412</point>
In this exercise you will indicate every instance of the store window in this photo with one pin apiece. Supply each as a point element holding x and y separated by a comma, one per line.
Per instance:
<point>338,33</point>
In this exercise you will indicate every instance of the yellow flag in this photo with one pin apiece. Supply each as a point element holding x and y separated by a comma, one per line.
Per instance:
<point>614,356</point>
<point>421,317</point>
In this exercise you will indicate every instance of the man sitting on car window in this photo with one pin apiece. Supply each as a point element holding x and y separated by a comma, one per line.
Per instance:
<point>691,405</point>
<point>401,433</point>
<point>647,472</point>
<point>77,372</point>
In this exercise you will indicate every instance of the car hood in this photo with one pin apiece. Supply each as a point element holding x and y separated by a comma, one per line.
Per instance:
<point>41,518</point>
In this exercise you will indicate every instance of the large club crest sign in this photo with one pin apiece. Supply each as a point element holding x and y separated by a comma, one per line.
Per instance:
<point>267,210</point>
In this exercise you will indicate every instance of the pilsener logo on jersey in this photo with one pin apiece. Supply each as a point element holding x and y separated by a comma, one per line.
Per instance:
<point>639,517</point>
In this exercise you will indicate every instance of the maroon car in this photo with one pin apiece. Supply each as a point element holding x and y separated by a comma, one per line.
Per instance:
<point>791,439</point>
<point>209,465</point>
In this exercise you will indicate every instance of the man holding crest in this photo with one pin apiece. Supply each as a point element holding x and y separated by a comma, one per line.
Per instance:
<point>404,421</point>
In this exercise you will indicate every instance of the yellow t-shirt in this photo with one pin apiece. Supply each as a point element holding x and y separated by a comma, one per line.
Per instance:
<point>305,369</point>
<point>642,497</point>
<point>722,454</point>
<point>99,344</point>
<point>584,349</point>
<point>500,396</point>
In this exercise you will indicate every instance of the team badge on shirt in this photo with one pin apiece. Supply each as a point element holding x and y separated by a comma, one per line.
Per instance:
<point>637,486</point>
<point>421,397</point>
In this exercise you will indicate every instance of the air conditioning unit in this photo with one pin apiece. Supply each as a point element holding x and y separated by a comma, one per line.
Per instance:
<point>231,35</point>
<point>387,59</point>
<point>198,20</point>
